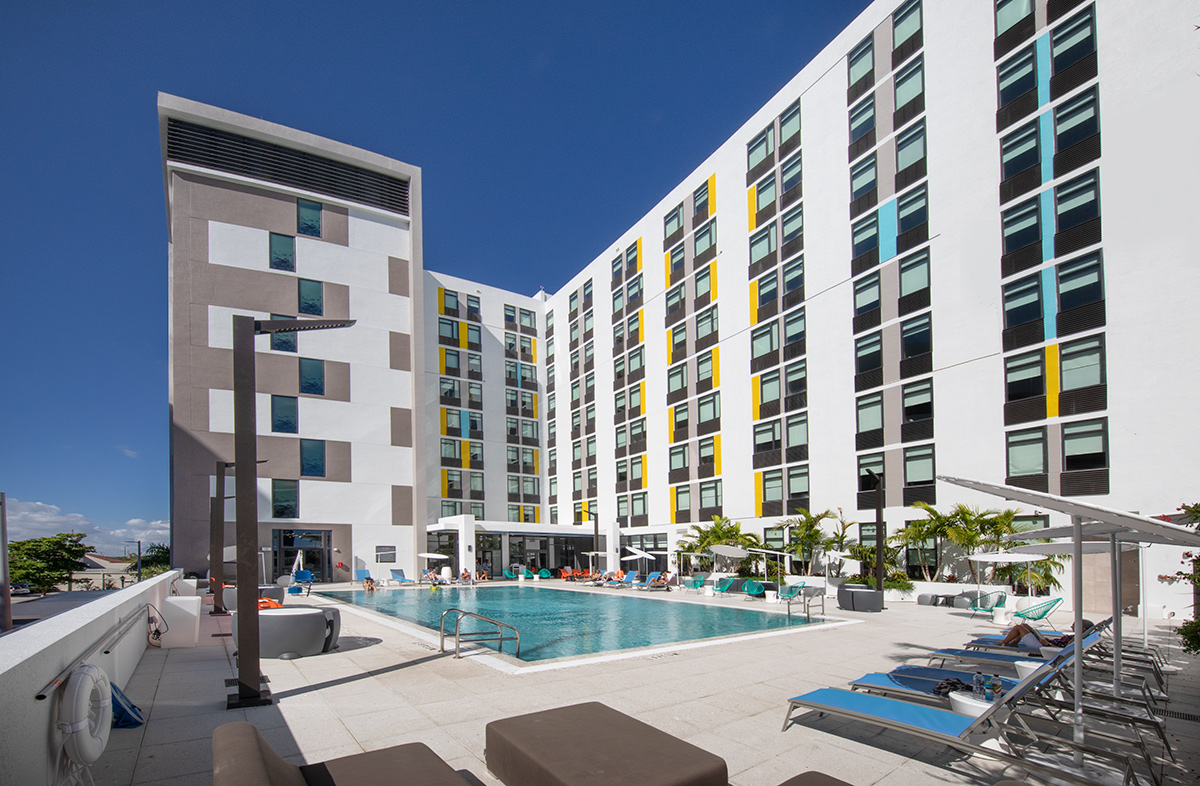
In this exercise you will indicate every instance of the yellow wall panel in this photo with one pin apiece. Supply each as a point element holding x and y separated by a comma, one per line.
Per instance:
<point>716,367</point>
<point>667,269</point>
<point>671,494</point>
<point>758,500</point>
<point>641,325</point>
<point>442,360</point>
<point>642,387</point>
<point>712,281</point>
<point>750,205</point>
<point>755,395</point>
<point>639,260</point>
<point>1052,381</point>
<point>712,194</point>
<point>535,404</point>
<point>462,334</point>
<point>445,483</point>
<point>717,453</point>
<point>442,308</point>
<point>670,424</point>
<point>754,302</point>
<point>535,350</point>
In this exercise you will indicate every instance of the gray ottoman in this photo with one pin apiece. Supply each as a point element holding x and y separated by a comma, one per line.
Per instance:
<point>592,744</point>
<point>292,632</point>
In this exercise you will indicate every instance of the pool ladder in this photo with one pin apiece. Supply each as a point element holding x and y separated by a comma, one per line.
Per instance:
<point>477,636</point>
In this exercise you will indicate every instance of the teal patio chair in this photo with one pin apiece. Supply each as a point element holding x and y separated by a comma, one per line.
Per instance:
<point>722,586</point>
<point>508,574</point>
<point>754,589</point>
<point>527,573</point>
<point>1039,612</point>
<point>695,583</point>
<point>789,591</point>
<point>544,574</point>
<point>988,602</point>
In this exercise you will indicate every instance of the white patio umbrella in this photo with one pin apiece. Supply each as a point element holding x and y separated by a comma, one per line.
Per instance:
<point>732,552</point>
<point>428,555</point>
<point>593,556</point>
<point>636,553</point>
<point>781,554</point>
<point>1007,558</point>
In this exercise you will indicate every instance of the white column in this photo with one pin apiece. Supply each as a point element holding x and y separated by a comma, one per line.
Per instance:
<point>466,543</point>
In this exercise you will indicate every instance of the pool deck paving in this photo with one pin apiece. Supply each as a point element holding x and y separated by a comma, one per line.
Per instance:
<point>388,684</point>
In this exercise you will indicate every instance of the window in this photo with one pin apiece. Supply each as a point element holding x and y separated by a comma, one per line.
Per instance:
<point>707,450</point>
<point>637,504</point>
<point>1022,301</point>
<point>549,321</point>
<point>312,458</point>
<point>1009,12</point>
<point>862,119</point>
<point>706,323</point>
<point>510,342</point>
<point>906,22</point>
<point>862,60</point>
<point>677,258</point>
<point>710,494</point>
<point>385,553</point>
<point>672,222</point>
<point>285,499</point>
<point>473,305</point>
<point>1019,150</point>
<point>285,416</point>
<point>283,342</point>
<point>451,449</point>
<point>760,148</point>
<point>530,486</point>
<point>529,429</point>
<point>791,173</point>
<point>622,506</point>
<point>675,297</point>
<point>1078,201</point>
<point>474,363</point>
<point>709,407</point>
<point>589,351</point>
<point>1016,76</point>
<point>451,361</point>
<point>679,457</point>
<point>528,318</point>
<point>631,261</point>
<point>637,430</point>
<point>283,252</point>
<point>453,421</point>
<point>768,289</point>
<point>1085,445</point>
<point>706,238</point>
<point>477,511</point>
<point>767,436</point>
<point>1080,282</point>
<point>448,329</point>
<point>704,366</point>
<point>914,273</point>
<point>765,193</point>
<point>797,430</point>
<point>866,464</point>
<point>677,378</point>
<point>635,471</point>
<point>916,337</point>
<point>575,392</point>
<point>308,218</point>
<point>475,336</point>
<point>868,353</point>
<point>681,417</point>
<point>703,282</point>
<point>797,481</point>
<point>862,177</point>
<point>312,377</point>
<point>910,146</point>
<point>866,294</point>
<point>620,436</point>
<point>1076,120</point>
<point>789,124</point>
<point>793,327</point>
<point>1072,41</point>
<point>635,395</point>
<point>1082,363</point>
<point>573,303</point>
<point>763,244</point>
<point>772,485</point>
<point>619,367</point>
<point>700,200</point>
<point>475,453</point>
<point>917,400</point>
<point>865,235</point>
<point>475,421</point>
<point>793,274</point>
<point>449,301</point>
<point>589,321</point>
<point>913,209</point>
<point>870,412</point>
<point>768,387</point>
<point>1024,376</point>
<point>795,378</point>
<point>1021,226</point>
<point>311,297</point>
<point>636,360</point>
<point>918,466</point>
<point>510,313</point>
<point>512,426</point>
<point>792,223</point>
<point>633,290</point>
<point>475,393</point>
<point>910,82</point>
<point>683,498</point>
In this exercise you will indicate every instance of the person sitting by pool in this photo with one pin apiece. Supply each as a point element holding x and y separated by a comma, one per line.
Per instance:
<point>465,577</point>
<point>662,580</point>
<point>431,577</point>
<point>369,584</point>
<point>1023,636</point>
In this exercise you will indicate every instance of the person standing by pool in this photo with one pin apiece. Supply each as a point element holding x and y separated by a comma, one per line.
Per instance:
<point>483,571</point>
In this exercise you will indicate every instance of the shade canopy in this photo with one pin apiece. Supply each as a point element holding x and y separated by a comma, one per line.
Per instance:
<point>638,553</point>
<point>1003,557</point>
<point>631,557</point>
<point>729,551</point>
<point>1068,548</point>
<point>1101,529</point>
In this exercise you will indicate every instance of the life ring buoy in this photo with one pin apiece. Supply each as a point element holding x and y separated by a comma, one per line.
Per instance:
<point>85,714</point>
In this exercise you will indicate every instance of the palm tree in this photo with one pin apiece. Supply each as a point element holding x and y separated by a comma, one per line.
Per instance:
<point>722,532</point>
<point>978,530</point>
<point>806,534</point>
<point>1040,574</point>
<point>839,541</point>
<point>935,525</point>
<point>915,534</point>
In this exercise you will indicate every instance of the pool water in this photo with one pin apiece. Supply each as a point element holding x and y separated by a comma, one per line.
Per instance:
<point>557,623</point>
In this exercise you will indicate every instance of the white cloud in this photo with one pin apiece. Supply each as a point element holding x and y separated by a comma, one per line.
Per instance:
<point>40,520</point>
<point>126,451</point>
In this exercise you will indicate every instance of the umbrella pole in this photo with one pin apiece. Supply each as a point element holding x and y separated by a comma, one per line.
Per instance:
<point>1142,612</point>
<point>1116,602</point>
<point>1077,592</point>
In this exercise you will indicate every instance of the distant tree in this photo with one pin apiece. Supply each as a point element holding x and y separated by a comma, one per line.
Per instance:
<point>156,559</point>
<point>839,541</point>
<point>935,525</point>
<point>806,535</point>
<point>722,532</point>
<point>46,562</point>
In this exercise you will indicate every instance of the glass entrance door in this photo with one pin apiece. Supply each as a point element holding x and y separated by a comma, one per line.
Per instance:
<point>314,543</point>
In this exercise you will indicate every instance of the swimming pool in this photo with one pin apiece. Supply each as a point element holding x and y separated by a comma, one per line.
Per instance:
<point>559,623</point>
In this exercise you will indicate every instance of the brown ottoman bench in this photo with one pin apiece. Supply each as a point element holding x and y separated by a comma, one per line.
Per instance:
<point>242,757</point>
<point>592,744</point>
<point>814,778</point>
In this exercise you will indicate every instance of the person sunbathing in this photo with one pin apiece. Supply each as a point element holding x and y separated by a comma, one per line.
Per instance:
<point>1024,636</point>
<point>369,584</point>
<point>431,577</point>
<point>465,576</point>
<point>661,580</point>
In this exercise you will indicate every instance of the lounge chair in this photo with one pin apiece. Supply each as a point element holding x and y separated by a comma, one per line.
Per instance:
<point>398,576</point>
<point>568,574</point>
<point>361,575</point>
<point>754,589</point>
<point>695,583</point>
<point>988,602</point>
<point>624,583</point>
<point>723,586</point>
<point>1038,612</point>
<point>303,578</point>
<point>241,756</point>
<point>988,734</point>
<point>646,581</point>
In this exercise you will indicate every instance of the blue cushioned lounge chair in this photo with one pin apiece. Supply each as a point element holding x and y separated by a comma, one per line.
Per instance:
<point>624,583</point>
<point>303,577</point>
<point>361,575</point>
<point>646,582</point>
<point>398,576</point>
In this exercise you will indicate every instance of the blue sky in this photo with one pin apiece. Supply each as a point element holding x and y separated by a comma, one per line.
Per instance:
<point>543,131</point>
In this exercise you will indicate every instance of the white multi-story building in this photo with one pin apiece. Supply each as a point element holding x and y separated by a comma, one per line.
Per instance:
<point>952,244</point>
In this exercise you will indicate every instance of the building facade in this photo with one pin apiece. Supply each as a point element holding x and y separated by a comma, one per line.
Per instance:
<point>947,246</point>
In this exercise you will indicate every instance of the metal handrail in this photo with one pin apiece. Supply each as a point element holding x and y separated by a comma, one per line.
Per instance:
<point>477,636</point>
<point>105,644</point>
